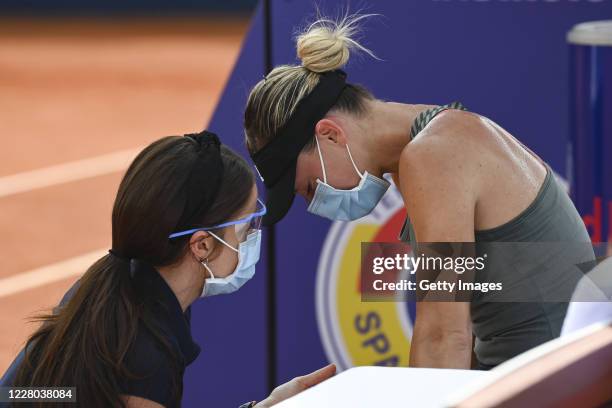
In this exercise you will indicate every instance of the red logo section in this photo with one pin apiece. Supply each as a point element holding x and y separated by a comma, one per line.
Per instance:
<point>595,221</point>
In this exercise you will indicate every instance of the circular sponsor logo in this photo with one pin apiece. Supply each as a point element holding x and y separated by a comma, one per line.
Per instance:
<point>355,332</point>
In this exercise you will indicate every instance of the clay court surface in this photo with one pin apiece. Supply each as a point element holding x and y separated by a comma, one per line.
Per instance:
<point>78,99</point>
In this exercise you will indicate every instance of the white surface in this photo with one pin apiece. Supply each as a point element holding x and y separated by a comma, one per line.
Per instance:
<point>592,299</point>
<point>385,387</point>
<point>591,33</point>
<point>583,314</point>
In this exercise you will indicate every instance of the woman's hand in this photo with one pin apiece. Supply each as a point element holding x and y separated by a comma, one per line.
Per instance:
<point>297,385</point>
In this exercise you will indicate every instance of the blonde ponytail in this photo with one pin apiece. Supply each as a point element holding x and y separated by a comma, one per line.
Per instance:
<point>324,45</point>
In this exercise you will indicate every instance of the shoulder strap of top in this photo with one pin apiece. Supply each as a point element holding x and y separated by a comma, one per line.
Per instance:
<point>427,115</point>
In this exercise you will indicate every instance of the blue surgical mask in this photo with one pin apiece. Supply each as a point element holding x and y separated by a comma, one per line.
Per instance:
<point>248,255</point>
<point>347,205</point>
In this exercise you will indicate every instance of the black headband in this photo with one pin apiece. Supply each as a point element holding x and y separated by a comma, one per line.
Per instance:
<point>280,154</point>
<point>204,181</point>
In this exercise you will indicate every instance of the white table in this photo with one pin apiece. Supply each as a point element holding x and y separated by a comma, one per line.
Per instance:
<point>385,387</point>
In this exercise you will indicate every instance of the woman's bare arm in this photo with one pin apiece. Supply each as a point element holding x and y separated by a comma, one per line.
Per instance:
<point>439,187</point>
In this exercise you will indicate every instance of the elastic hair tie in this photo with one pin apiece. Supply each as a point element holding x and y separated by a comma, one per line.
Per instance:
<point>122,258</point>
<point>205,139</point>
<point>114,253</point>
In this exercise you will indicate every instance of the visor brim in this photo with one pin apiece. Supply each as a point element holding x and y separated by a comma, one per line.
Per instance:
<point>280,198</point>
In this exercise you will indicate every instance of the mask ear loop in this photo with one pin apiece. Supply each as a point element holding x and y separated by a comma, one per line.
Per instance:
<point>204,263</point>
<point>353,161</point>
<point>321,160</point>
<point>219,238</point>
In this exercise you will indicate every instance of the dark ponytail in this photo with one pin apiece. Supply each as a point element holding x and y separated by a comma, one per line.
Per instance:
<point>84,343</point>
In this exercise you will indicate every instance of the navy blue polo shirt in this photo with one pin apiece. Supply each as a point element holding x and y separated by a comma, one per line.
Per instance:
<point>155,372</point>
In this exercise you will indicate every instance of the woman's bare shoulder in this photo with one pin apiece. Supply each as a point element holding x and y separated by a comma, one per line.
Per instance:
<point>446,152</point>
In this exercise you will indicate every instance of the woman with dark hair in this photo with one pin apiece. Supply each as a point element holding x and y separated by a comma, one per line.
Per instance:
<point>185,225</point>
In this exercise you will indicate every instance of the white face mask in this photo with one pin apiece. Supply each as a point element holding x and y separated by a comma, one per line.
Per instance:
<point>347,205</point>
<point>248,255</point>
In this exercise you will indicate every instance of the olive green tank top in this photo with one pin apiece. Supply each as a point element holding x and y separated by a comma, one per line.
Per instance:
<point>505,329</point>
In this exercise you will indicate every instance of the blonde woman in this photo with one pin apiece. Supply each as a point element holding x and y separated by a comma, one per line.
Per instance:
<point>463,178</point>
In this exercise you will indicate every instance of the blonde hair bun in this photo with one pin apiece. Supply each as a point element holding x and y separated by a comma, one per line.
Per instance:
<point>325,45</point>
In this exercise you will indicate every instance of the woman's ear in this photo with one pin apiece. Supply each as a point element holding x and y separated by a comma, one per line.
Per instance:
<point>202,245</point>
<point>329,129</point>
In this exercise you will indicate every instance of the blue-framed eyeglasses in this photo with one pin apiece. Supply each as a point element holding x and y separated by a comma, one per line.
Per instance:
<point>243,226</point>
